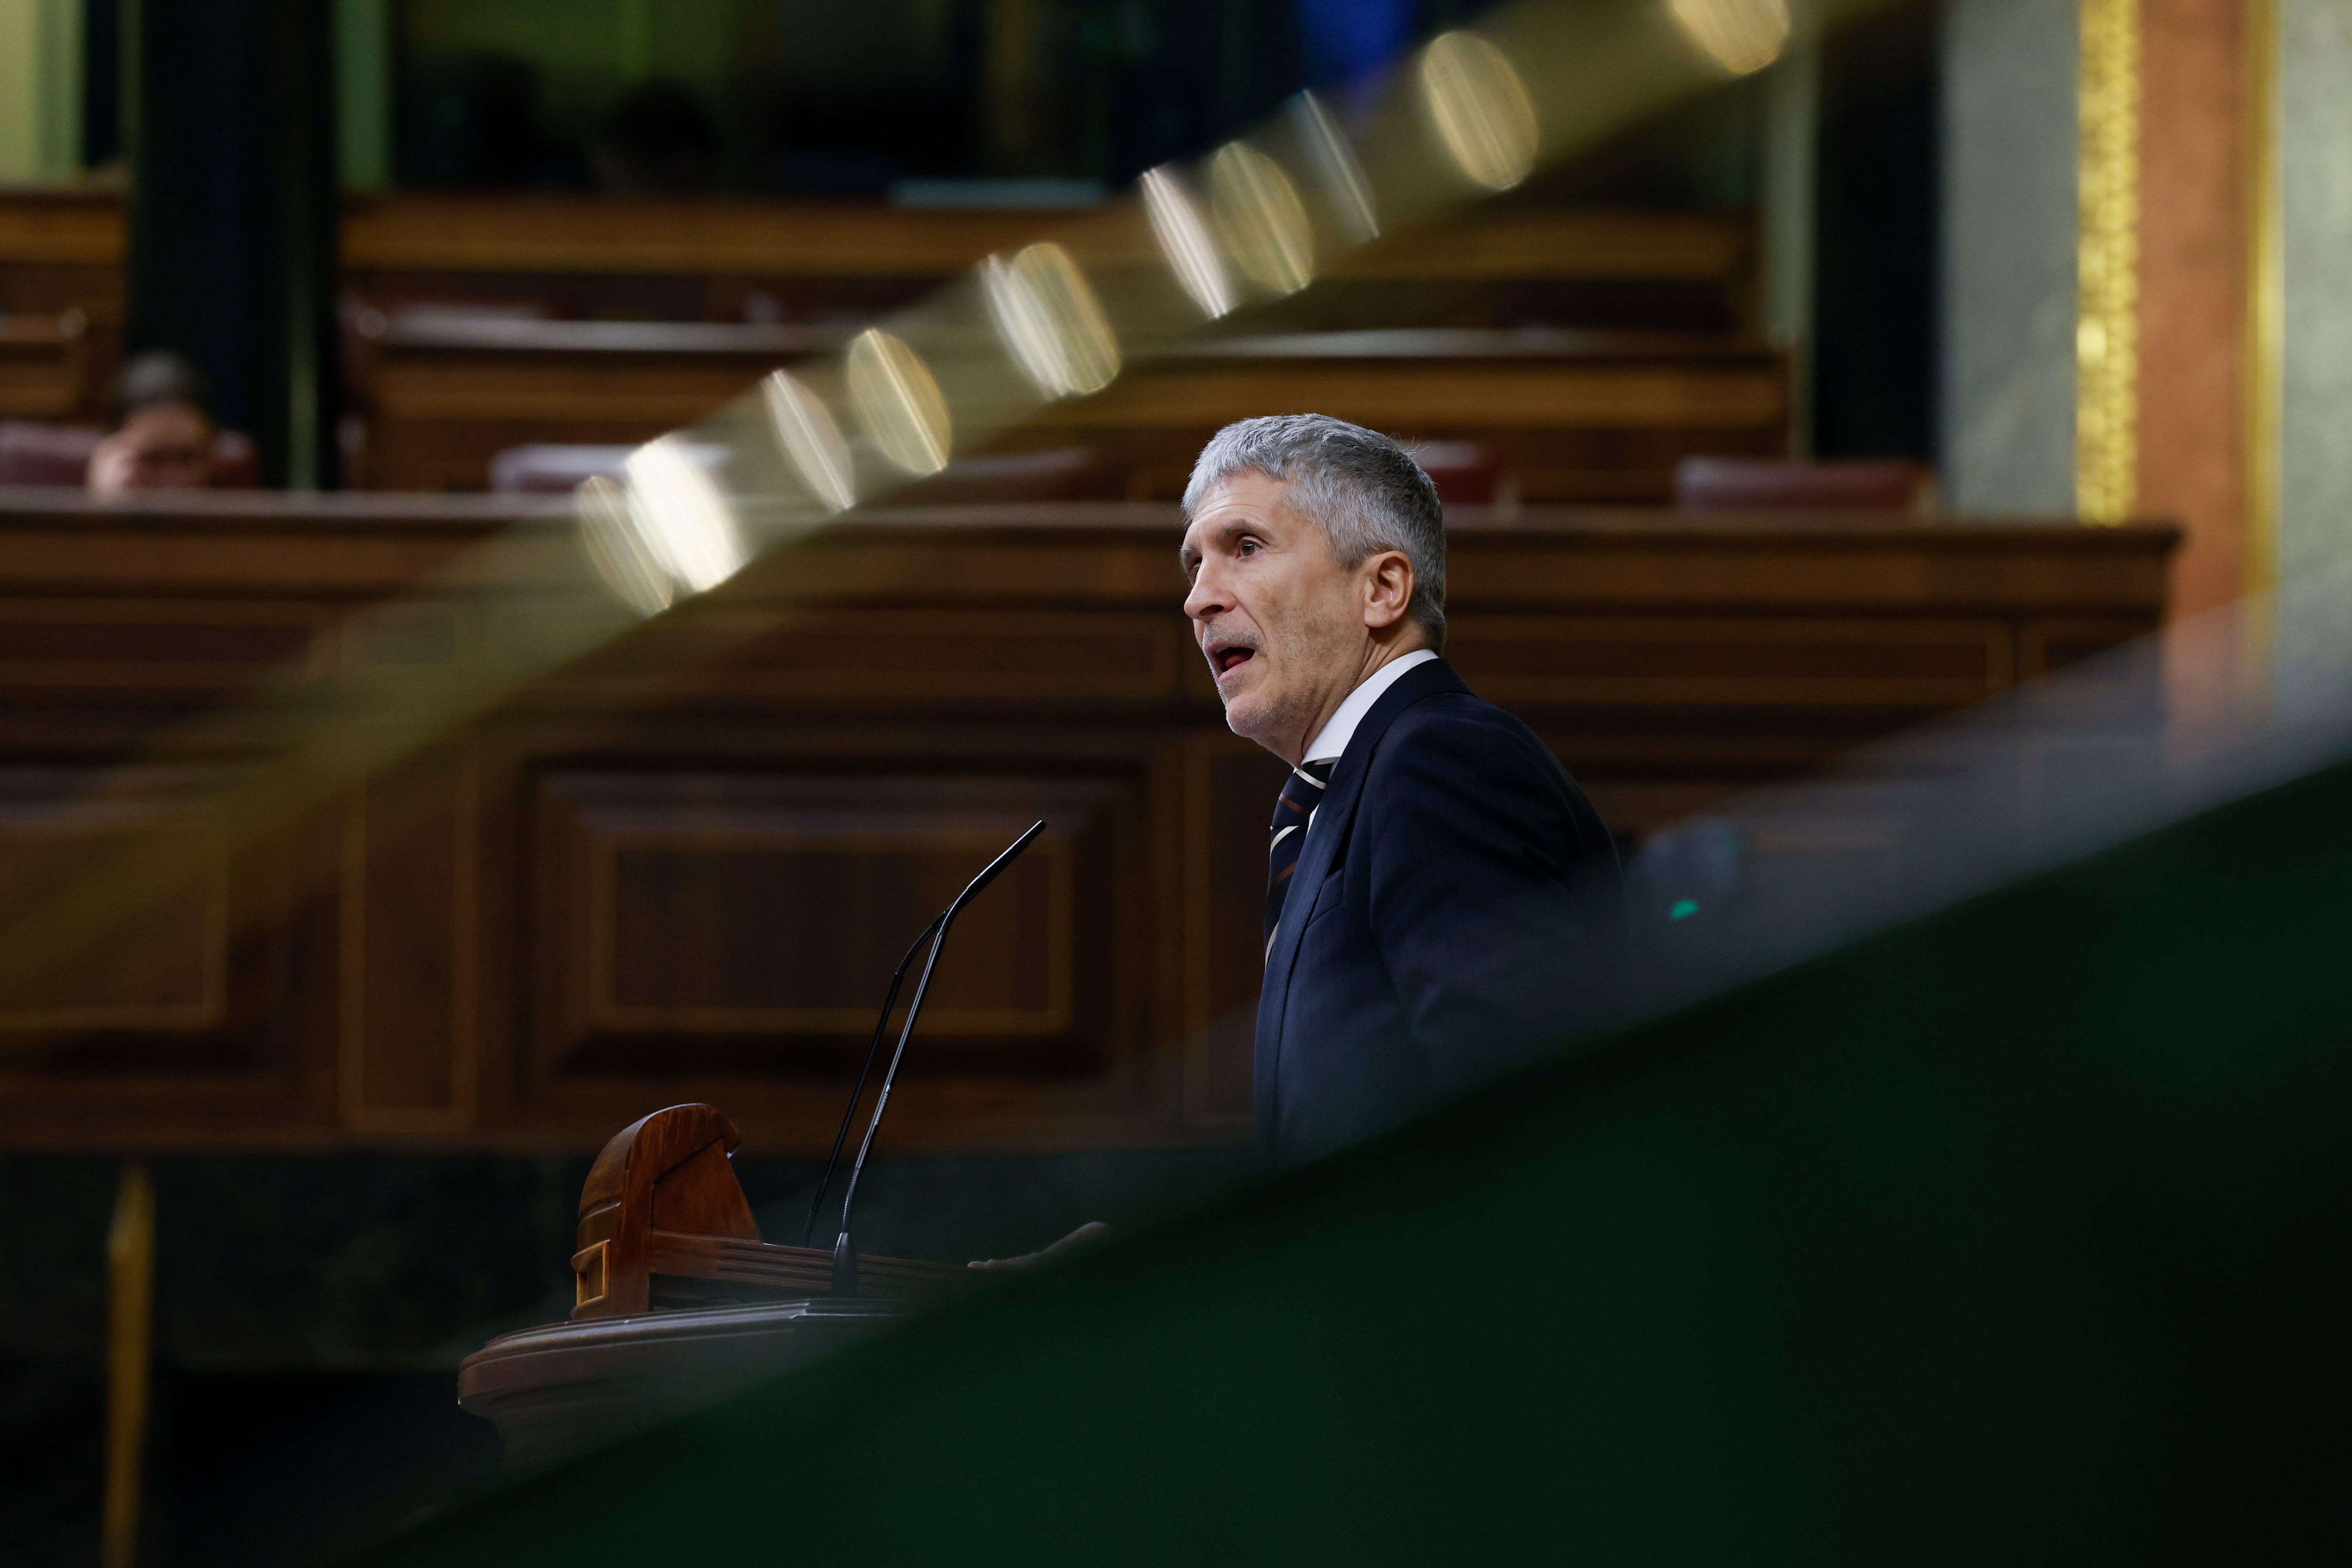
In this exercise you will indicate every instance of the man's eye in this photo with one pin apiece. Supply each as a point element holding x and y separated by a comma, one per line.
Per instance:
<point>1247,547</point>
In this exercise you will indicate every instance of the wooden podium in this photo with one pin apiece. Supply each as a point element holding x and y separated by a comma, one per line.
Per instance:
<point>678,1303</point>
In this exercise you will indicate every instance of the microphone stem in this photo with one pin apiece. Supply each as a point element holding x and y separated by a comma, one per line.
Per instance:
<point>889,1078</point>
<point>845,1257</point>
<point>865,1071</point>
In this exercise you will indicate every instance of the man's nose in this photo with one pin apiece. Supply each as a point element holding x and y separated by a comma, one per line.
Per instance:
<point>1207,597</point>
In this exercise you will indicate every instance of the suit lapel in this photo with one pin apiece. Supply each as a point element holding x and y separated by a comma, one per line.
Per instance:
<point>1324,835</point>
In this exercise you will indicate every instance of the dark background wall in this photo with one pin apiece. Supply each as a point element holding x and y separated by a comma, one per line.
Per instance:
<point>1875,277</point>
<point>228,126</point>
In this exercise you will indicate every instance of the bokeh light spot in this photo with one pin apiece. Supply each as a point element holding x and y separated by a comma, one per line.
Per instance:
<point>1741,35</point>
<point>1050,321</point>
<point>1184,241</point>
<point>899,403</point>
<point>620,554</point>
<point>683,519</point>
<point>811,441</point>
<point>1336,170</point>
<point>1262,220</point>
<point>1480,108</point>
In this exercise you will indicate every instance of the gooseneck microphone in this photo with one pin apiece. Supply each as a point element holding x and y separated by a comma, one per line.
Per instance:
<point>873,1049</point>
<point>845,1257</point>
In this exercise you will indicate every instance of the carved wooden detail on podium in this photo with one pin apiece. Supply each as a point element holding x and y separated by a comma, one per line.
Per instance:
<point>663,1225</point>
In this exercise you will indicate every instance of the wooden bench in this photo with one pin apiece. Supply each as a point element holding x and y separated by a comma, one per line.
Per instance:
<point>1566,414</point>
<point>715,259</point>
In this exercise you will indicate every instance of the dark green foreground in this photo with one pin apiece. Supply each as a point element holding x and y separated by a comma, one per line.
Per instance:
<point>2018,1234</point>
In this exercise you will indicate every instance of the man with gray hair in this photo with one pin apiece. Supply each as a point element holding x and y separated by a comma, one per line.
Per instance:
<point>1442,900</point>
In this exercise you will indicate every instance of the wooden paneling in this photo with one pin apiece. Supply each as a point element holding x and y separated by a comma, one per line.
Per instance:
<point>61,284</point>
<point>682,869</point>
<point>410,947</point>
<point>162,976</point>
<point>202,1002</point>
<point>744,924</point>
<point>45,366</point>
<point>50,644</point>
<point>428,232</point>
<point>1726,662</point>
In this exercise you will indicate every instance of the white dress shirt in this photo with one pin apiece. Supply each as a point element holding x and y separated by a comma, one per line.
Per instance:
<point>1333,738</point>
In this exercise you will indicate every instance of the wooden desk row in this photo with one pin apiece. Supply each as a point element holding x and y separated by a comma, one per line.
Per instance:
<point>733,259</point>
<point>436,402</point>
<point>1563,414</point>
<point>682,868</point>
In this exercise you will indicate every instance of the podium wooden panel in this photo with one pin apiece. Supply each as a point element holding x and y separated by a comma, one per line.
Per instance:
<point>682,869</point>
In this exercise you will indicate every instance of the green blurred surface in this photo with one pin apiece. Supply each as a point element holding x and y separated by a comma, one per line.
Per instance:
<point>2015,1234</point>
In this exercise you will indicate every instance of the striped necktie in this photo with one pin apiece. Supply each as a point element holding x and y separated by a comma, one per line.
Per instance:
<point>1300,792</point>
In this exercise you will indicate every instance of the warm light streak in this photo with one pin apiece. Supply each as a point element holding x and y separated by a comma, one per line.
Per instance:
<point>1185,240</point>
<point>1481,110</point>
<point>1050,321</point>
<point>1262,219</point>
<point>1336,168</point>
<point>618,551</point>
<point>898,402</point>
<point>1741,35</point>
<point>811,441</point>
<point>680,516</point>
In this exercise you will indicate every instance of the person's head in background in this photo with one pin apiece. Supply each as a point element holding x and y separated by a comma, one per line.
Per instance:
<point>164,441</point>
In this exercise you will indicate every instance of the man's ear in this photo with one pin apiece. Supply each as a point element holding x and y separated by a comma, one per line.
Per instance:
<point>1387,589</point>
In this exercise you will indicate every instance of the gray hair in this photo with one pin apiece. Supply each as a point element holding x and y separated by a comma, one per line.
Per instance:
<point>1359,486</point>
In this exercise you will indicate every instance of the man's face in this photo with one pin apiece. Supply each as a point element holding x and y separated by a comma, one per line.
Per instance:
<point>1281,621</point>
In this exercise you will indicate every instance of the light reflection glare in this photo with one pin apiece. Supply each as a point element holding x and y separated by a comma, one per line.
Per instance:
<point>1336,168</point>
<point>681,517</point>
<point>618,551</point>
<point>898,402</point>
<point>810,440</point>
<point>1741,35</point>
<point>1050,321</point>
<point>1480,108</point>
<point>1185,240</point>
<point>1262,219</point>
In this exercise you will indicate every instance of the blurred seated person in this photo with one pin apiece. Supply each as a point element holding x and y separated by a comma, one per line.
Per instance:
<point>164,441</point>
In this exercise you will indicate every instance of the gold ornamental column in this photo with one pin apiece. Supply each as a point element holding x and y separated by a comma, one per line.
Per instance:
<point>130,1346</point>
<point>2106,320</point>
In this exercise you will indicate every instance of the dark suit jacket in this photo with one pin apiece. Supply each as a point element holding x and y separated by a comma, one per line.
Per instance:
<point>1456,910</point>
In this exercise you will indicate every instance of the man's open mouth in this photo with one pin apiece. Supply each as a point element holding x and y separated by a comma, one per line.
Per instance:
<point>1226,657</point>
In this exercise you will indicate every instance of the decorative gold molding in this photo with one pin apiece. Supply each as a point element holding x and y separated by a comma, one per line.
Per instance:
<point>2107,322</point>
<point>129,1355</point>
<point>2264,362</point>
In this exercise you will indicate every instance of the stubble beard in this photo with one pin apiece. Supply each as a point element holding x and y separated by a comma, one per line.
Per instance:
<point>1273,718</point>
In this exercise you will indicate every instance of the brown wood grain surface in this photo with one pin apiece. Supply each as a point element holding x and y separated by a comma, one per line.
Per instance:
<point>682,867</point>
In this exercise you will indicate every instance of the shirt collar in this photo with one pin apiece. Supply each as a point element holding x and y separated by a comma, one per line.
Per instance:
<point>1332,739</point>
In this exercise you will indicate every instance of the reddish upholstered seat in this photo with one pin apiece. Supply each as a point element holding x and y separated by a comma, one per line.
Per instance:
<point>1754,484</point>
<point>46,454</point>
<point>1465,472</point>
<point>59,455</point>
